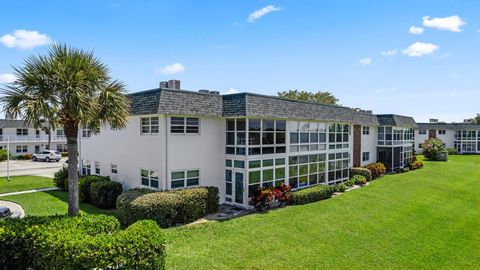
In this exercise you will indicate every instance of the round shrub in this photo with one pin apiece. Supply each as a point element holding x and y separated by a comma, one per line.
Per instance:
<point>359,180</point>
<point>162,207</point>
<point>104,194</point>
<point>362,171</point>
<point>193,204</point>
<point>125,200</point>
<point>60,179</point>
<point>377,169</point>
<point>84,184</point>
<point>3,154</point>
<point>312,194</point>
<point>340,187</point>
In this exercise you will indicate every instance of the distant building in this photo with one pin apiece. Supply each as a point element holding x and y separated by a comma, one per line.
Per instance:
<point>464,137</point>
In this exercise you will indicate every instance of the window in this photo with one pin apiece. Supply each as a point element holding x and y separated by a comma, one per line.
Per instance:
<point>184,125</point>
<point>86,167</point>
<point>338,167</point>
<point>22,148</point>
<point>86,131</point>
<point>60,133</point>
<point>97,167</point>
<point>265,173</point>
<point>307,136</point>
<point>149,125</point>
<point>422,131</point>
<point>338,136</point>
<point>22,131</point>
<point>114,168</point>
<point>365,156</point>
<point>306,170</point>
<point>442,132</point>
<point>366,130</point>
<point>420,145</point>
<point>184,179</point>
<point>149,178</point>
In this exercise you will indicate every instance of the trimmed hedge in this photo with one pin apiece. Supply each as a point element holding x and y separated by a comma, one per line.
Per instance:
<point>340,187</point>
<point>84,184</point>
<point>167,208</point>
<point>104,194</point>
<point>312,194</point>
<point>60,179</point>
<point>378,169</point>
<point>362,171</point>
<point>82,242</point>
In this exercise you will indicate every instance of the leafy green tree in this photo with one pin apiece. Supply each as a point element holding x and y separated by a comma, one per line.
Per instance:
<point>72,86</point>
<point>476,119</point>
<point>318,97</point>
<point>432,147</point>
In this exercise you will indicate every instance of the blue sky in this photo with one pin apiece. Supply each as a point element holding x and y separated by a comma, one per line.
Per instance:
<point>270,46</point>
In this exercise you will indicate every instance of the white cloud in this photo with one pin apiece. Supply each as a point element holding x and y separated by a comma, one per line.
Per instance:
<point>24,39</point>
<point>451,23</point>
<point>171,69</point>
<point>257,14</point>
<point>7,78</point>
<point>365,61</point>
<point>416,30</point>
<point>419,49</point>
<point>230,91</point>
<point>389,53</point>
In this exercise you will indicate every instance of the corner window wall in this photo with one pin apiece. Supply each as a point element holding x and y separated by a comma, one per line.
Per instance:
<point>338,135</point>
<point>265,173</point>
<point>395,136</point>
<point>467,141</point>
<point>338,167</point>
<point>306,170</point>
<point>255,136</point>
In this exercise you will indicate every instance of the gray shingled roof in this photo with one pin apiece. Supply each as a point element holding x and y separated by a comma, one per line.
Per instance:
<point>396,120</point>
<point>449,126</point>
<point>255,105</point>
<point>170,101</point>
<point>8,123</point>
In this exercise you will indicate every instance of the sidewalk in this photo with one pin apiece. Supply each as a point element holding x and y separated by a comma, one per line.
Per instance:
<point>28,191</point>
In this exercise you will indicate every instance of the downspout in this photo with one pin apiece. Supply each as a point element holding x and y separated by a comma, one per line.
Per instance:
<point>166,153</point>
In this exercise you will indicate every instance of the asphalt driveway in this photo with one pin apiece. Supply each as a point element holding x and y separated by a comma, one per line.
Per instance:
<point>29,167</point>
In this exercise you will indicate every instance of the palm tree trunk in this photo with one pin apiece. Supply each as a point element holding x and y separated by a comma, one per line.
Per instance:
<point>71,132</point>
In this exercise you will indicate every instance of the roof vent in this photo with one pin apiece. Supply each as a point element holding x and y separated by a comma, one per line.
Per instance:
<point>204,91</point>
<point>369,112</point>
<point>171,84</point>
<point>214,92</point>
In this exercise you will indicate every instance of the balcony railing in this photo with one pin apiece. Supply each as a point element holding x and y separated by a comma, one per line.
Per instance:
<point>30,138</point>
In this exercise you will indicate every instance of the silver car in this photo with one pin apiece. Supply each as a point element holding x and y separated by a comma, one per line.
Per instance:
<point>47,155</point>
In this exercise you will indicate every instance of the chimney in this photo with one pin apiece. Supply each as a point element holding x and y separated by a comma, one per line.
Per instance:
<point>433,120</point>
<point>163,84</point>
<point>214,92</point>
<point>174,84</point>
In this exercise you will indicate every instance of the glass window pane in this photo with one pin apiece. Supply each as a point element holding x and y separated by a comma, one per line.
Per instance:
<point>267,175</point>
<point>154,183</point>
<point>268,125</point>
<point>231,124</point>
<point>192,121</point>
<point>192,182</point>
<point>239,164</point>
<point>254,138</point>
<point>254,164</point>
<point>268,150</point>
<point>193,173</point>
<point>293,137</point>
<point>267,162</point>
<point>267,138</point>
<point>145,181</point>
<point>228,190</point>
<point>254,177</point>
<point>279,173</point>
<point>280,138</point>
<point>279,161</point>
<point>241,139</point>
<point>281,125</point>
<point>303,169</point>
<point>177,184</point>
<point>241,124</point>
<point>192,129</point>
<point>303,137</point>
<point>228,175</point>
<point>177,129</point>
<point>177,121</point>
<point>178,175</point>
<point>254,124</point>
<point>230,138</point>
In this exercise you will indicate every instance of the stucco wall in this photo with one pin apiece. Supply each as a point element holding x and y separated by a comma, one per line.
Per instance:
<point>369,144</point>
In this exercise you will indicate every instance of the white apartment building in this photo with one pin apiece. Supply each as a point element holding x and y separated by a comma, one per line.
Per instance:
<point>25,139</point>
<point>178,139</point>
<point>464,137</point>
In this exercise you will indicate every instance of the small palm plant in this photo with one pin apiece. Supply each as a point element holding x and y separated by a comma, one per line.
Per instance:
<point>70,87</point>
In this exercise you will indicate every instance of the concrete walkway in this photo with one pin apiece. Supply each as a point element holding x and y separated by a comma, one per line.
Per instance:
<point>16,209</point>
<point>29,167</point>
<point>28,191</point>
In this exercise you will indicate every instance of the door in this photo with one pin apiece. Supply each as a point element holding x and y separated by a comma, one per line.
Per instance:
<point>239,187</point>
<point>37,149</point>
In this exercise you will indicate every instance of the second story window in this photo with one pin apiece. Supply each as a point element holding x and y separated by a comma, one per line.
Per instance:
<point>184,125</point>
<point>441,132</point>
<point>149,125</point>
<point>422,131</point>
<point>366,130</point>
<point>86,131</point>
<point>22,131</point>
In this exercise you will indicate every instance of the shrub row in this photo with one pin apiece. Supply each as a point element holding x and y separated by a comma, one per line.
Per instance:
<point>359,180</point>
<point>312,194</point>
<point>95,189</point>
<point>82,242</point>
<point>167,208</point>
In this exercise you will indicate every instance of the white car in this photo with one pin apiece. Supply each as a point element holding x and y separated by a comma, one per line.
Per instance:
<point>47,155</point>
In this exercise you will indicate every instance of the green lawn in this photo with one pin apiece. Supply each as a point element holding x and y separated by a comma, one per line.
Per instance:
<point>49,203</point>
<point>429,219</point>
<point>20,183</point>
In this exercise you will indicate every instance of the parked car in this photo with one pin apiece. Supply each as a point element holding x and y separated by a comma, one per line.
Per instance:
<point>5,212</point>
<point>47,155</point>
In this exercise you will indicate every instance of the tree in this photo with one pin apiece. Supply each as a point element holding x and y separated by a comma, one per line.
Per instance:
<point>432,147</point>
<point>476,119</point>
<point>318,97</point>
<point>70,85</point>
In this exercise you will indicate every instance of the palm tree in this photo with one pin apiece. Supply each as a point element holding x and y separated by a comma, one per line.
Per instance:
<point>70,85</point>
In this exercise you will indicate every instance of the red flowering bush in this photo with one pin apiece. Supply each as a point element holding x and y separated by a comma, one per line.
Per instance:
<point>378,169</point>
<point>415,165</point>
<point>263,198</point>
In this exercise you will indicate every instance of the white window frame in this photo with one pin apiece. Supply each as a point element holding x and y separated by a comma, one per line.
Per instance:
<point>422,132</point>
<point>114,168</point>
<point>22,148</point>
<point>442,132</point>
<point>86,131</point>
<point>149,178</point>
<point>365,130</point>
<point>22,131</point>
<point>149,125</point>
<point>87,166</point>
<point>185,125</point>
<point>367,154</point>
<point>185,178</point>
<point>96,166</point>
